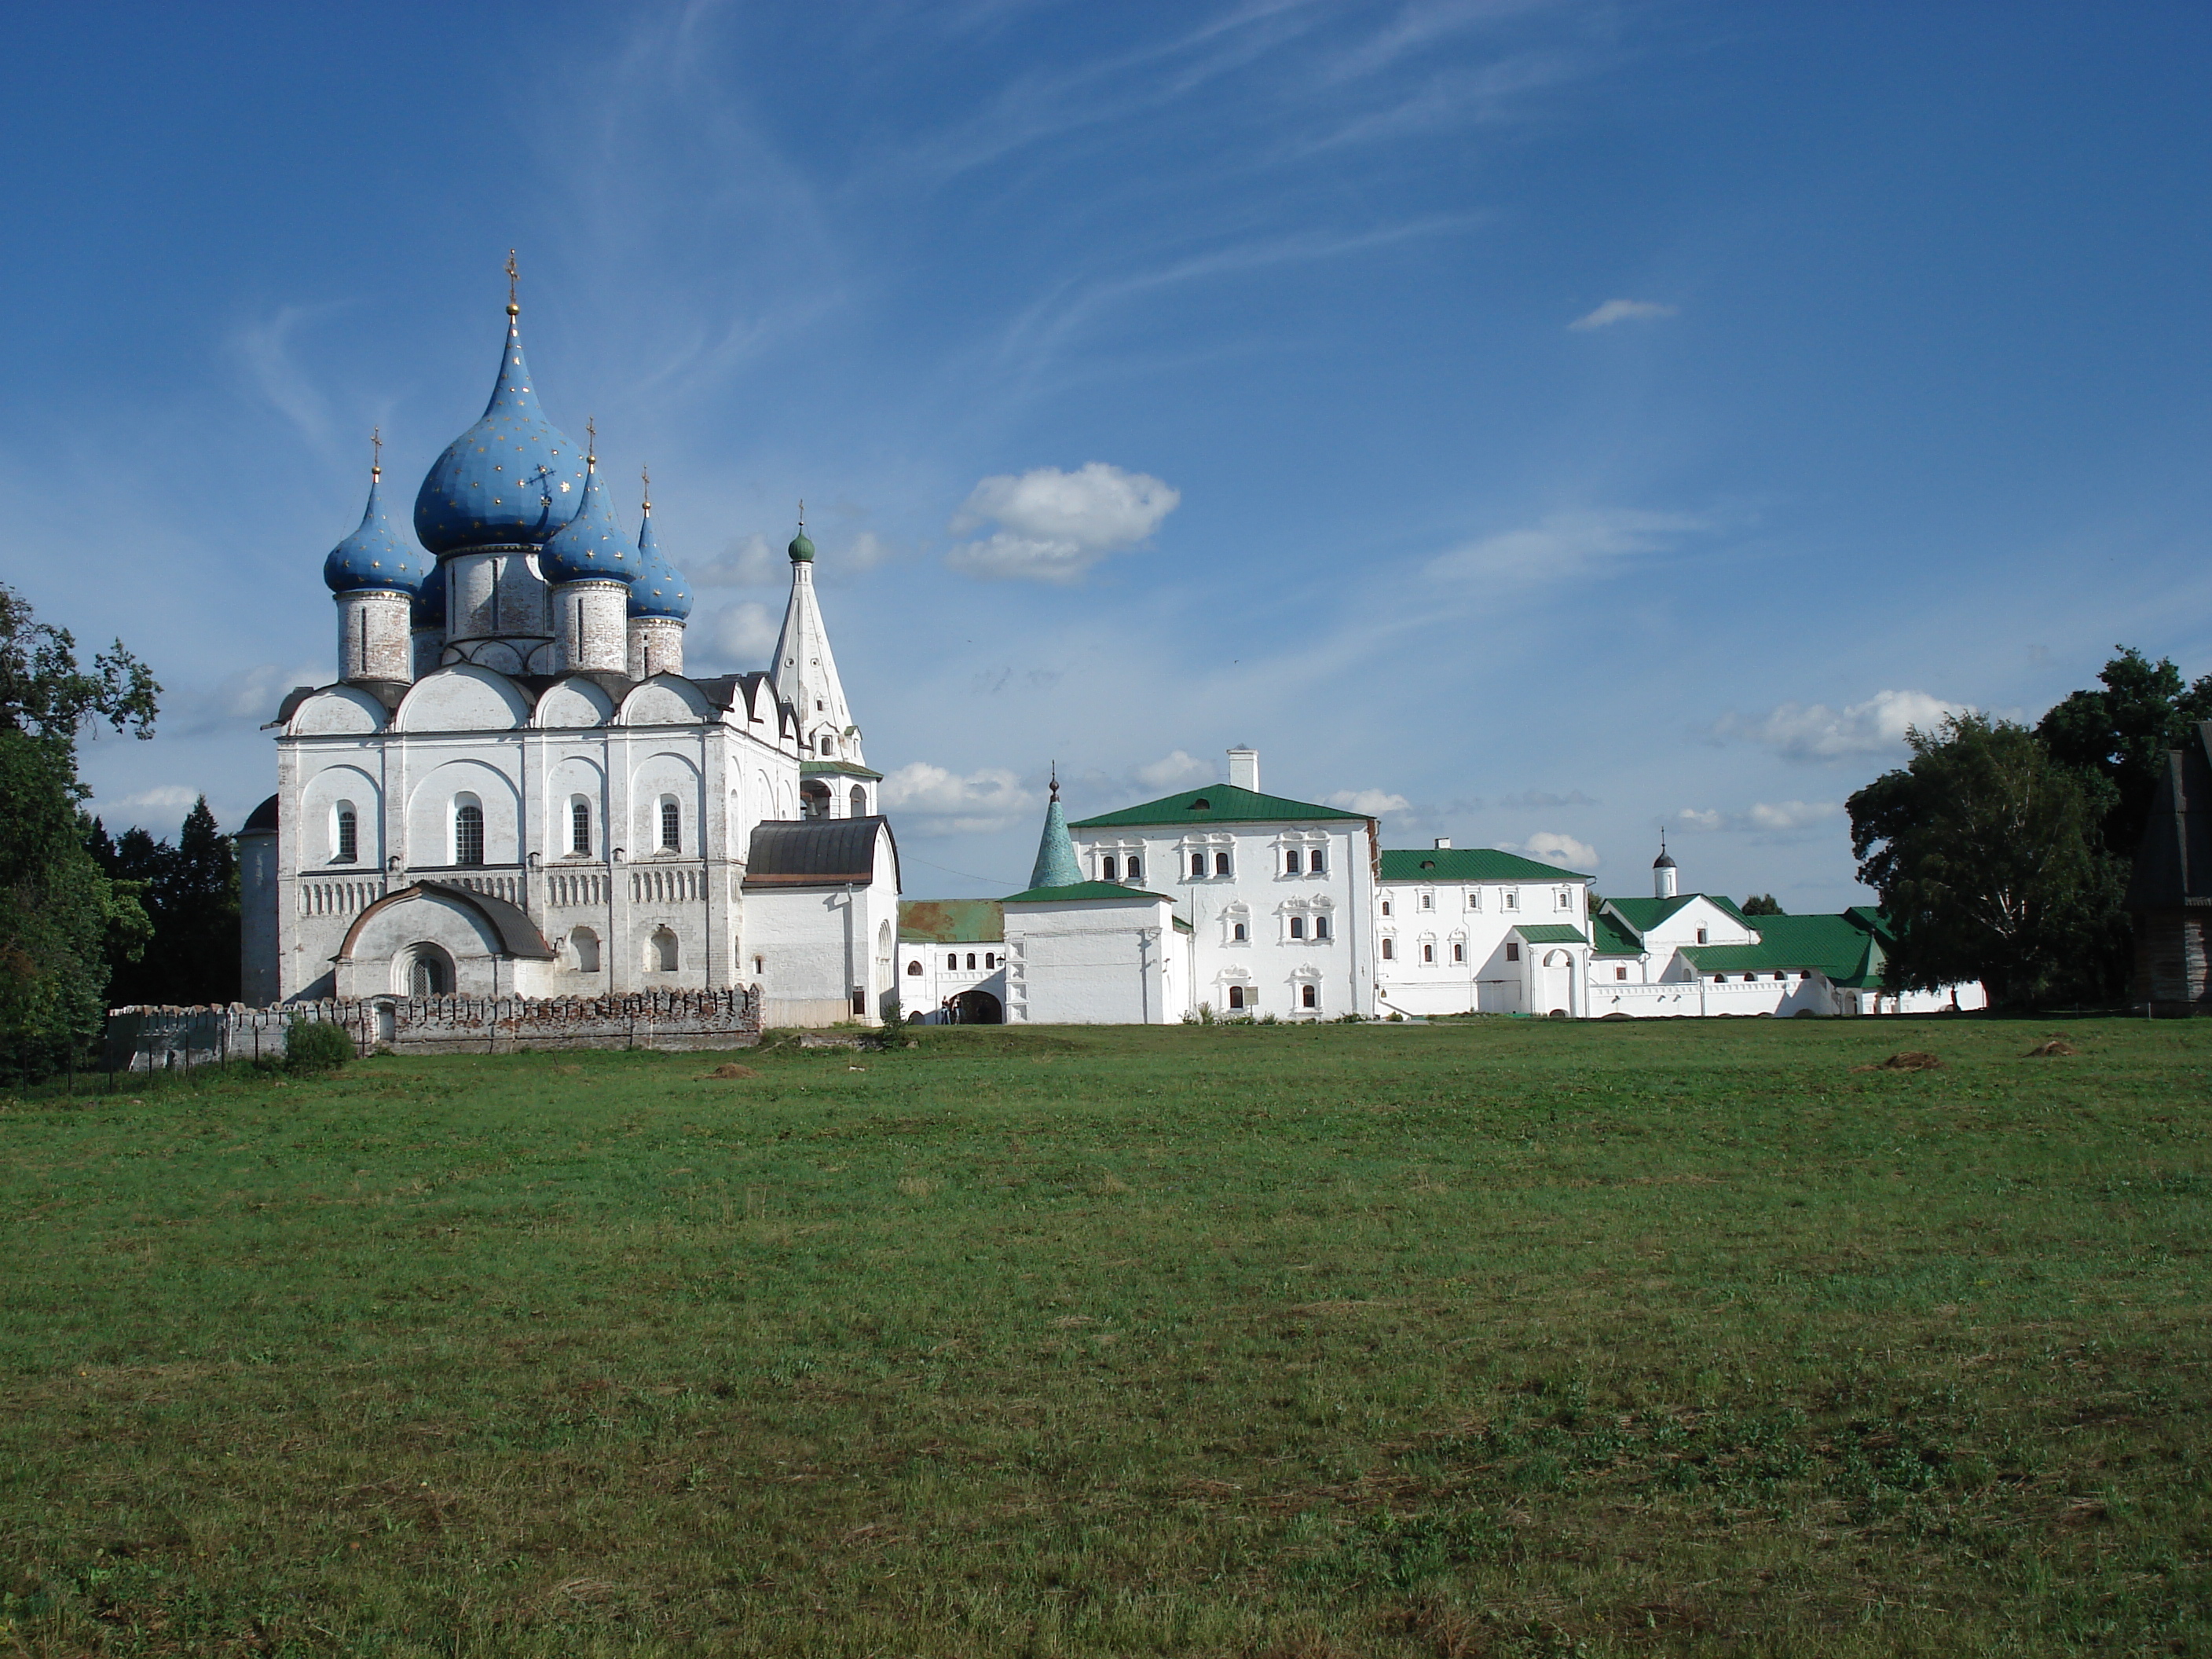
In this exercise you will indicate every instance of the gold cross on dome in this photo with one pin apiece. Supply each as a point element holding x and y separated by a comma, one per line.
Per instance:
<point>512,274</point>
<point>591,437</point>
<point>376,447</point>
<point>645,484</point>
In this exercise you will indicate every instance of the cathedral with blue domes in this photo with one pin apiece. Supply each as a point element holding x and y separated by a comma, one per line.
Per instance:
<point>512,788</point>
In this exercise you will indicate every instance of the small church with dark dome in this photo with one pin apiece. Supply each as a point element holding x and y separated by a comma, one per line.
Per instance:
<point>512,788</point>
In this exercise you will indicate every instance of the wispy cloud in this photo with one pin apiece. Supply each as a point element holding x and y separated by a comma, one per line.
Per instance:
<point>1814,732</point>
<point>1552,848</point>
<point>1373,802</point>
<point>1175,770</point>
<point>1786,818</point>
<point>1622,311</point>
<point>932,800</point>
<point>1565,547</point>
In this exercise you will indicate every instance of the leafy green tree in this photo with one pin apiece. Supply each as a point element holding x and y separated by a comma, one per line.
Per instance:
<point>2120,735</point>
<point>60,915</point>
<point>1988,856</point>
<point>1761,904</point>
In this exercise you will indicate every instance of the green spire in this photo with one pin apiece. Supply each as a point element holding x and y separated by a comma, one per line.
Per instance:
<point>1056,859</point>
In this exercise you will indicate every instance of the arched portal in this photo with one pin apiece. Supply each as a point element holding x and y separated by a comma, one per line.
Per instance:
<point>814,799</point>
<point>977,1008</point>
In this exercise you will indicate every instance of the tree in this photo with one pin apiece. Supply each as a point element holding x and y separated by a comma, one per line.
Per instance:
<point>60,915</point>
<point>1761,904</point>
<point>2120,736</point>
<point>1988,854</point>
<point>191,893</point>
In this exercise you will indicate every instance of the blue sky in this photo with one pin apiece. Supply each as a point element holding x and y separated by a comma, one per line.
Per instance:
<point>1542,420</point>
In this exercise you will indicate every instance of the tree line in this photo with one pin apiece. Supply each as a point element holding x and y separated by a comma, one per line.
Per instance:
<point>2001,851</point>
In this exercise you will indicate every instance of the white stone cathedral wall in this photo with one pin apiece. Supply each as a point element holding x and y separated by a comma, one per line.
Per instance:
<point>593,622</point>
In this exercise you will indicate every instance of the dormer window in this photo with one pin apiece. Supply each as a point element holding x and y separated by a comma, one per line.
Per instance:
<point>1201,805</point>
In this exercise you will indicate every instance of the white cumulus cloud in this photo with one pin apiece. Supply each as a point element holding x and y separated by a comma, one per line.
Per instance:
<point>1373,802</point>
<point>747,561</point>
<point>1555,848</point>
<point>1622,311</point>
<point>157,804</point>
<point>1562,546</point>
<point>934,801</point>
<point>1175,770</point>
<point>743,633</point>
<point>1814,732</point>
<point>1052,526</point>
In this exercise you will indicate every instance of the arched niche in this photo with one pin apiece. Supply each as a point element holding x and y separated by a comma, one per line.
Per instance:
<point>336,711</point>
<point>573,704</point>
<point>463,698</point>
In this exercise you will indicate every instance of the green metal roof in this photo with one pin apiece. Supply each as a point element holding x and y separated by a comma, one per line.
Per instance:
<point>843,769</point>
<point>1467,864</point>
<point>1839,947</point>
<point>1550,932</point>
<point>951,921</point>
<point>1083,889</point>
<point>1219,803</point>
<point>1645,913</point>
<point>1612,938</point>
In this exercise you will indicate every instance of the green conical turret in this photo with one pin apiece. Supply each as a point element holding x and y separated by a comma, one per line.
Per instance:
<point>1056,859</point>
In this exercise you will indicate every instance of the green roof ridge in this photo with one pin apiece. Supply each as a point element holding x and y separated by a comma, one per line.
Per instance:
<point>1224,803</point>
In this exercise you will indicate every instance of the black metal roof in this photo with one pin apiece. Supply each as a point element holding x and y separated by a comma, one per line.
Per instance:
<point>816,852</point>
<point>2173,862</point>
<point>262,820</point>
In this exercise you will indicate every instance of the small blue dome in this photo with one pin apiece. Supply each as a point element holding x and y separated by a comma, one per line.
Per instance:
<point>430,600</point>
<point>591,546</point>
<point>659,589</point>
<point>374,556</point>
<point>512,477</point>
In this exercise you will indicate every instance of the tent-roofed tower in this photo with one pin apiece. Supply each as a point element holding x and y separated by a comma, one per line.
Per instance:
<point>835,779</point>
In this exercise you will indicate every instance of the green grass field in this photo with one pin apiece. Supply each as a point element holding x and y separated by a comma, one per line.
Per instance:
<point>1500,1337</point>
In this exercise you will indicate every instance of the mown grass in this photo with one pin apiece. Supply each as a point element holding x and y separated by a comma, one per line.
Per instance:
<point>1500,1337</point>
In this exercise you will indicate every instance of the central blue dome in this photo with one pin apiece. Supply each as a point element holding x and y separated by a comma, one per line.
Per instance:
<point>512,477</point>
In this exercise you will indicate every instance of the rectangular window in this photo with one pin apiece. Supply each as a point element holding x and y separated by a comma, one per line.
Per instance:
<point>672,826</point>
<point>1310,996</point>
<point>1320,927</point>
<point>1513,898</point>
<point>1221,864</point>
<point>468,834</point>
<point>1106,868</point>
<point>1136,868</point>
<point>1197,864</point>
<point>1316,861</point>
<point>1512,952</point>
<point>348,836</point>
<point>580,826</point>
<point>1297,926</point>
<point>1291,862</point>
<point>1620,973</point>
<point>1428,901</point>
<point>1560,900</point>
<point>1459,950</point>
<point>952,961</point>
<point>1475,898</point>
<point>1389,950</point>
<point>1701,936</point>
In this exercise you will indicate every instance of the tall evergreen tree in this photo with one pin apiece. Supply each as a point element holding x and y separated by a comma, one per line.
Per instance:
<point>2120,734</point>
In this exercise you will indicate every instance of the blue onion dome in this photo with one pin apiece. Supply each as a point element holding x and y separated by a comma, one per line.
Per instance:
<point>590,546</point>
<point>659,589</point>
<point>374,556</point>
<point>430,600</point>
<point>512,477</point>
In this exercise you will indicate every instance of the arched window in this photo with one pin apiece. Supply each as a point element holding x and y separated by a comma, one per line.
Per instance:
<point>1108,870</point>
<point>1459,950</point>
<point>1236,996</point>
<point>429,972</point>
<point>660,952</point>
<point>814,799</point>
<point>859,800</point>
<point>913,968</point>
<point>827,745</point>
<point>1386,906</point>
<point>1428,953</point>
<point>671,825</point>
<point>1291,862</point>
<point>579,826</point>
<point>347,838</point>
<point>1316,860</point>
<point>1237,933</point>
<point>1297,926</point>
<point>1428,901</point>
<point>468,830</point>
<point>1320,927</point>
<point>1197,864</point>
<point>1389,950</point>
<point>1221,864</point>
<point>990,959</point>
<point>971,958</point>
<point>1309,996</point>
<point>1136,870</point>
<point>584,945</point>
<point>952,961</point>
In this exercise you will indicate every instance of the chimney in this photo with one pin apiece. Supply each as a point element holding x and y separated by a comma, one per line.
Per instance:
<point>1444,843</point>
<point>1244,769</point>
